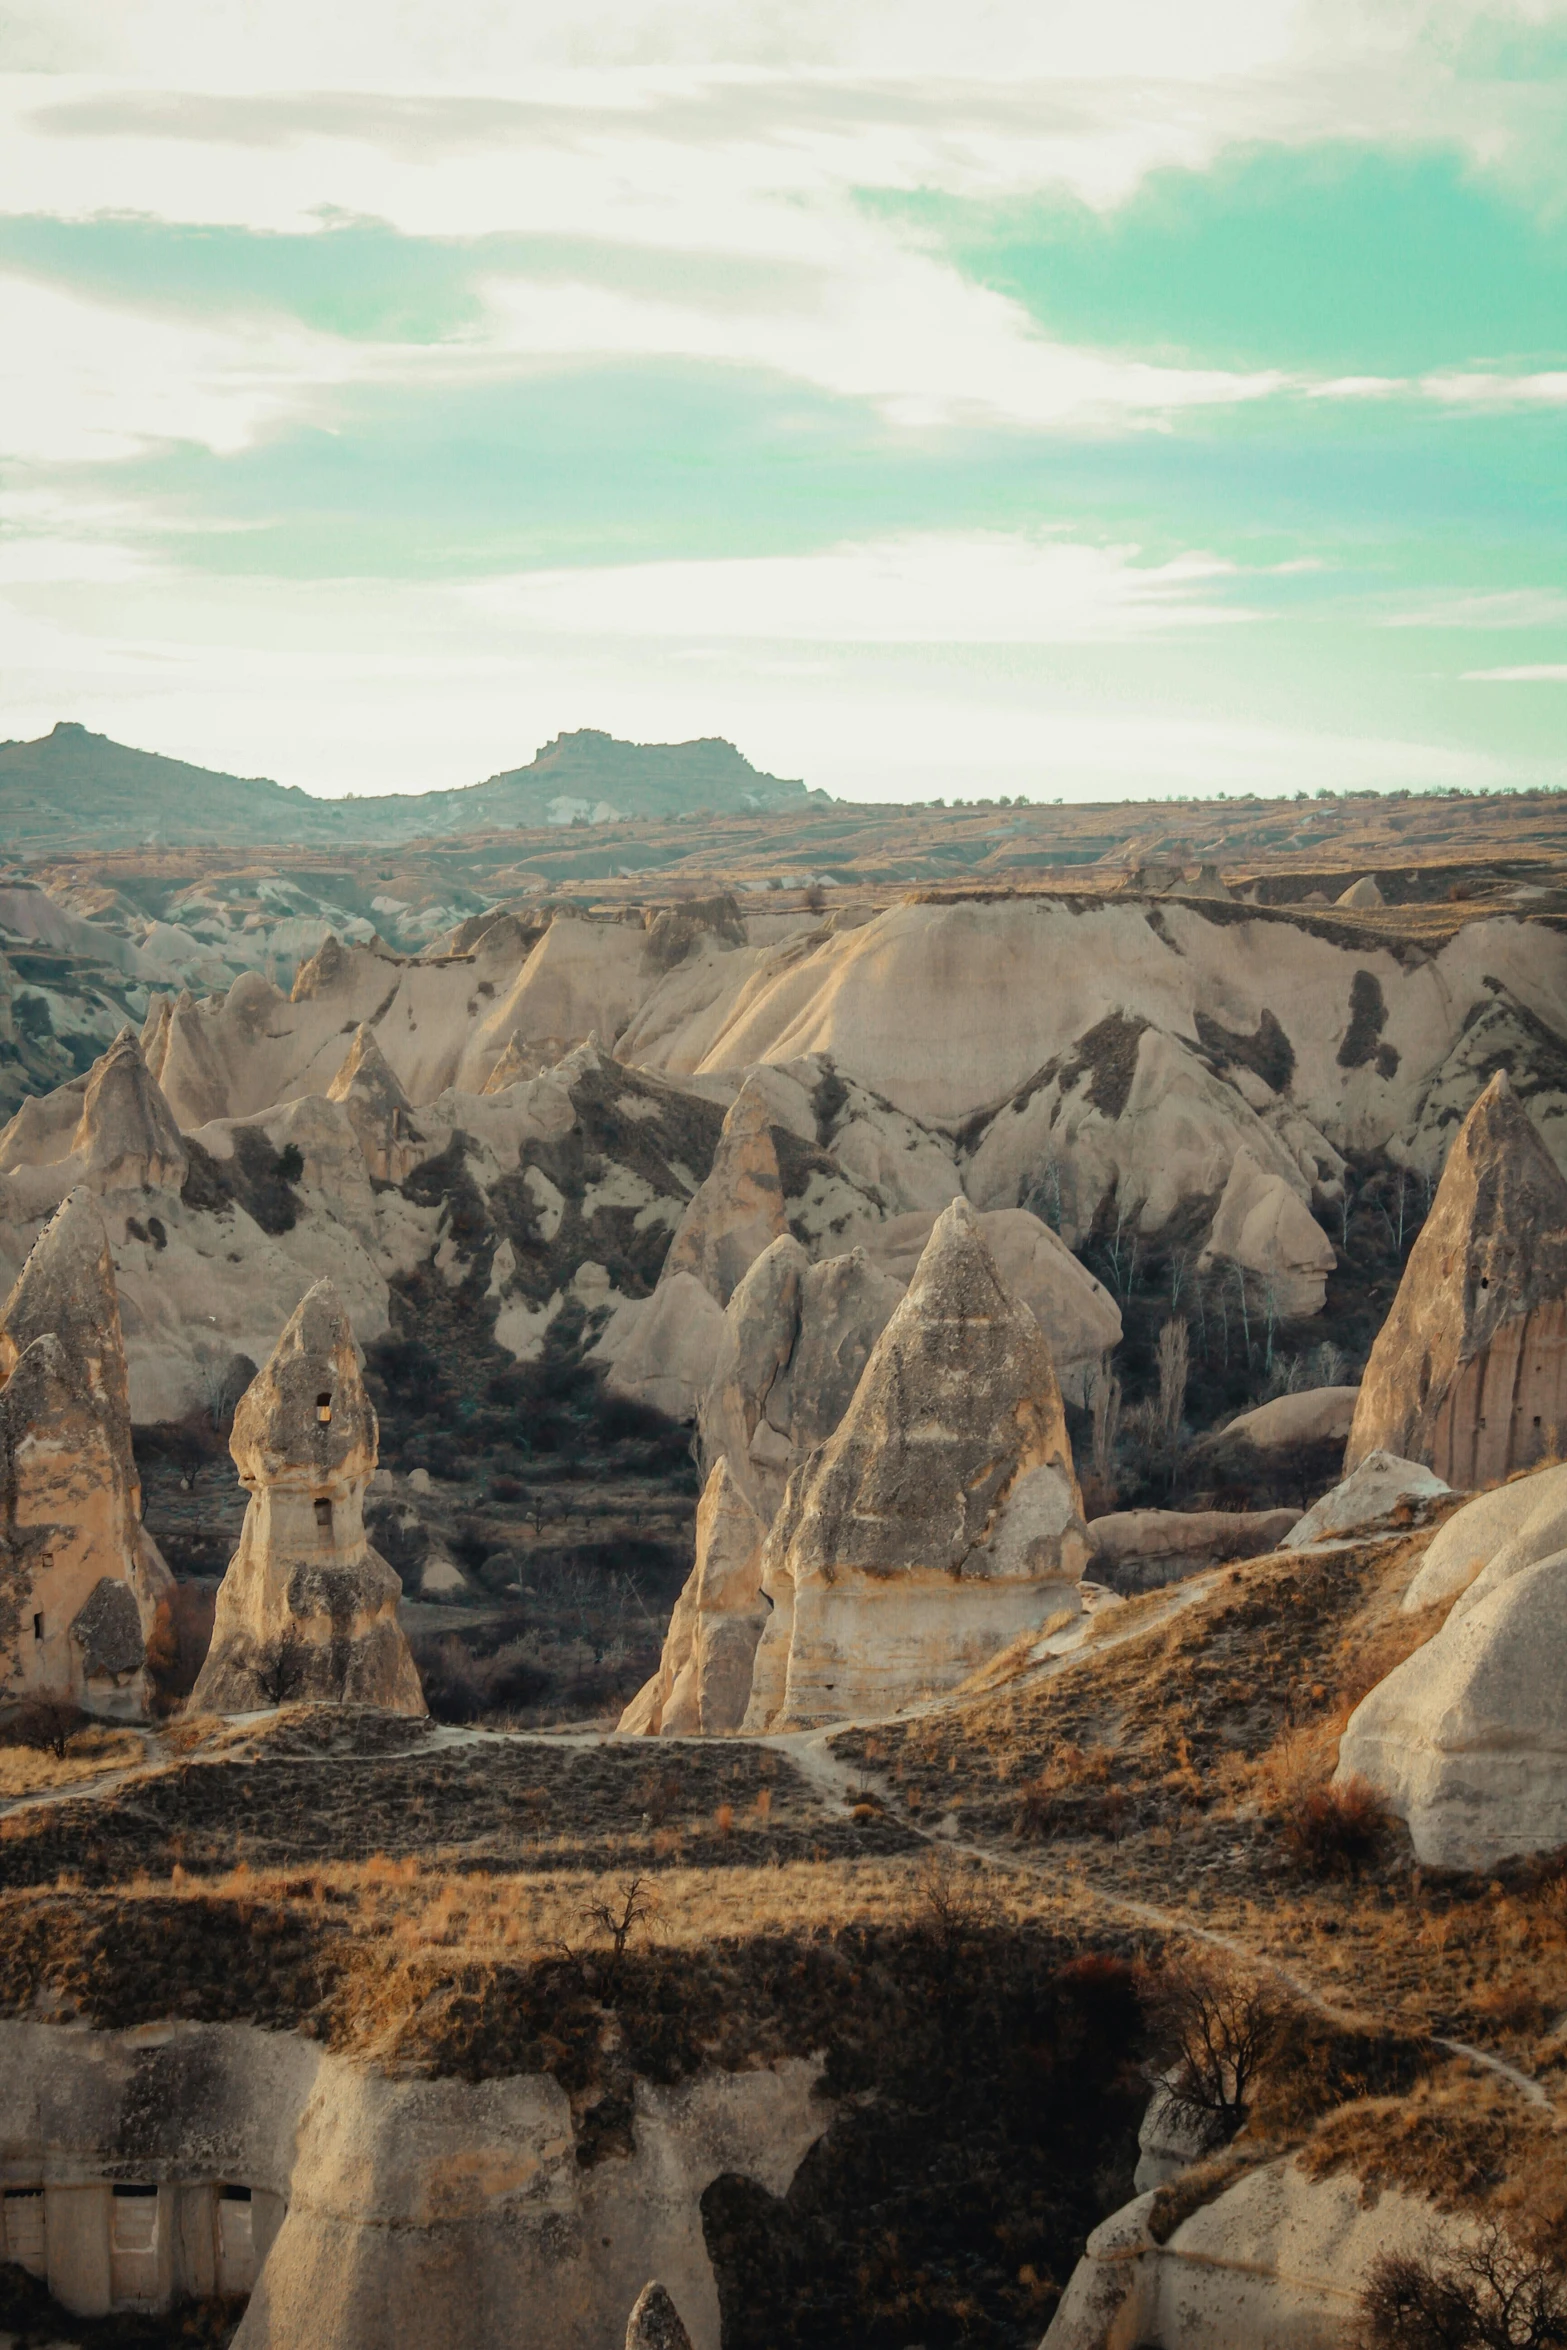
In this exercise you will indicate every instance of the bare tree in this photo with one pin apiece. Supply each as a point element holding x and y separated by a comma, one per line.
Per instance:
<point>278,1670</point>
<point>637,1905</point>
<point>1490,2296</point>
<point>1175,1359</point>
<point>1220,2027</point>
<point>46,1723</point>
<point>1105,1404</point>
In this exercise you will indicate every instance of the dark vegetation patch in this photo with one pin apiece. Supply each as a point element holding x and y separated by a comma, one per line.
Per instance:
<point>1267,1052</point>
<point>1107,1053</point>
<point>257,1178</point>
<point>500,1806</point>
<point>1367,1019</point>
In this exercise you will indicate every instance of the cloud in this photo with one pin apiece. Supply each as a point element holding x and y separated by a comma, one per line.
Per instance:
<point>1503,608</point>
<point>1527,673</point>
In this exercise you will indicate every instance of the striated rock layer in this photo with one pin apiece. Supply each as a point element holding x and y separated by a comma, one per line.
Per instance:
<point>1469,1371</point>
<point>307,1608</point>
<point>79,1579</point>
<point>939,1520</point>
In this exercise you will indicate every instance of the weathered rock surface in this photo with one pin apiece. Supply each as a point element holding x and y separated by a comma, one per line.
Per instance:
<point>378,1109</point>
<point>1469,1371</point>
<point>111,1129</point>
<point>1263,1225</point>
<point>939,1520</point>
<point>1276,2259</point>
<point>739,1209</point>
<point>1138,1550</point>
<point>1511,1527</point>
<point>654,2323</point>
<point>382,2208</point>
<point>307,1608</point>
<point>795,1340</point>
<point>1079,1317</point>
<point>669,1345</point>
<point>79,1580</point>
<point>1315,1416</point>
<point>703,1682</point>
<point>1467,1739</point>
<point>1382,1488</point>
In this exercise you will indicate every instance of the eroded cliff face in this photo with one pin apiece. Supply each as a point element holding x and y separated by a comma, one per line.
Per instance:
<point>307,1608</point>
<point>374,2209</point>
<point>1469,1371</point>
<point>79,1580</point>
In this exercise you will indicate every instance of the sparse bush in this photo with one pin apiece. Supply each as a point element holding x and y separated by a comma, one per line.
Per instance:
<point>1338,1829</point>
<point>178,1642</point>
<point>278,1670</point>
<point>45,1723</point>
<point>1488,2297</point>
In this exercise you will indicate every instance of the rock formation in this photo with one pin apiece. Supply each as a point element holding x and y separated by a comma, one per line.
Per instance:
<point>939,1520</point>
<point>1316,1415</point>
<point>307,1608</point>
<point>378,1109</point>
<point>795,1339</point>
<point>1512,1526</point>
<point>739,1209</point>
<point>79,1580</point>
<point>1263,1225</point>
<point>1469,1371</point>
<point>1138,1550</point>
<point>111,1129</point>
<point>654,2323</point>
<point>703,1682</point>
<point>1382,1489</point>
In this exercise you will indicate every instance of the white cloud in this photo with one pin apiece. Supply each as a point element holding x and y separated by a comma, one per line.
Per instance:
<point>1503,608</point>
<point>1527,673</point>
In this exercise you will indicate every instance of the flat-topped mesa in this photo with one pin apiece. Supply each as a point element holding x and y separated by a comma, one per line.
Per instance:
<point>1469,1371</point>
<point>378,1109</point>
<point>939,1521</point>
<point>307,1609</point>
<point>79,1581</point>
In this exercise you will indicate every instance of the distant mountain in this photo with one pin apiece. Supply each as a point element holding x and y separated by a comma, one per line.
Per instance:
<point>75,790</point>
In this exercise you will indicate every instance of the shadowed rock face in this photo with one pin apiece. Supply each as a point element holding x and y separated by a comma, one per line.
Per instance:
<point>703,1682</point>
<point>307,1608</point>
<point>940,1519</point>
<point>1469,1371</point>
<point>70,1538</point>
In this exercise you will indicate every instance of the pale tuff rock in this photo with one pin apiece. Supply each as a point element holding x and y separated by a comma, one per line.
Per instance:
<point>1467,1739</point>
<point>654,2323</point>
<point>307,1608</point>
<point>666,1356</point>
<point>1469,1371</point>
<point>1317,1415</point>
<point>1138,1550</point>
<point>1499,1533</point>
<point>703,1682</point>
<point>79,1580</point>
<point>111,1129</point>
<point>1079,1317</point>
<point>581,979</point>
<point>1381,1488</point>
<point>939,1520</point>
<point>795,1339</point>
<point>378,1109</point>
<point>1263,1225</point>
<point>739,1209</point>
<point>515,1066</point>
<point>1362,894</point>
<point>1277,2258</point>
<point>1501,1033</point>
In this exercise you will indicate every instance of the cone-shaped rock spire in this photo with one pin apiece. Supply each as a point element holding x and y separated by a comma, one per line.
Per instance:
<point>1469,1371</point>
<point>378,1109</point>
<point>307,1608</point>
<point>127,1133</point>
<point>655,2322</point>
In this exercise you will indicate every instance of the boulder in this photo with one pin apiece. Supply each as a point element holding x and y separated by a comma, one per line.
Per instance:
<point>1363,893</point>
<point>1317,1415</point>
<point>1382,1487</point>
<point>1467,1739</point>
<point>378,1109</point>
<point>1469,1371</point>
<point>79,1581</point>
<point>1509,1528</point>
<point>654,2323</point>
<point>307,1609</point>
<point>940,1519</point>
<point>1138,1550</point>
<point>1077,1314</point>
<point>1263,1225</point>
<point>703,1682</point>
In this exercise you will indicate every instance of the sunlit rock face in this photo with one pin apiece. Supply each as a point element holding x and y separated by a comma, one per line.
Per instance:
<point>378,1109</point>
<point>79,1579</point>
<point>939,1520</point>
<point>307,1608</point>
<point>703,1682</point>
<point>1469,1371</point>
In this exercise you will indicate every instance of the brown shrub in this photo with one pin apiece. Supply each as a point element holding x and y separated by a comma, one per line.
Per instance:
<point>1337,1830</point>
<point>1490,2296</point>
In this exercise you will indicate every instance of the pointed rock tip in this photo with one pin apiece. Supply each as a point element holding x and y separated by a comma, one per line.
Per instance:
<point>655,2322</point>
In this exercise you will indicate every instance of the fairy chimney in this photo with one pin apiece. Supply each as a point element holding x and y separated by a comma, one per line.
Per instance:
<point>1469,1371</point>
<point>307,1609</point>
<point>79,1581</point>
<point>378,1109</point>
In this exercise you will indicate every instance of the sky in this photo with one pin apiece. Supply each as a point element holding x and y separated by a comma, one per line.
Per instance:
<point>1088,403</point>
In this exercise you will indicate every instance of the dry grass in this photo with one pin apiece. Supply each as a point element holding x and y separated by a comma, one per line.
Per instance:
<point>1466,2143</point>
<point>89,1754</point>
